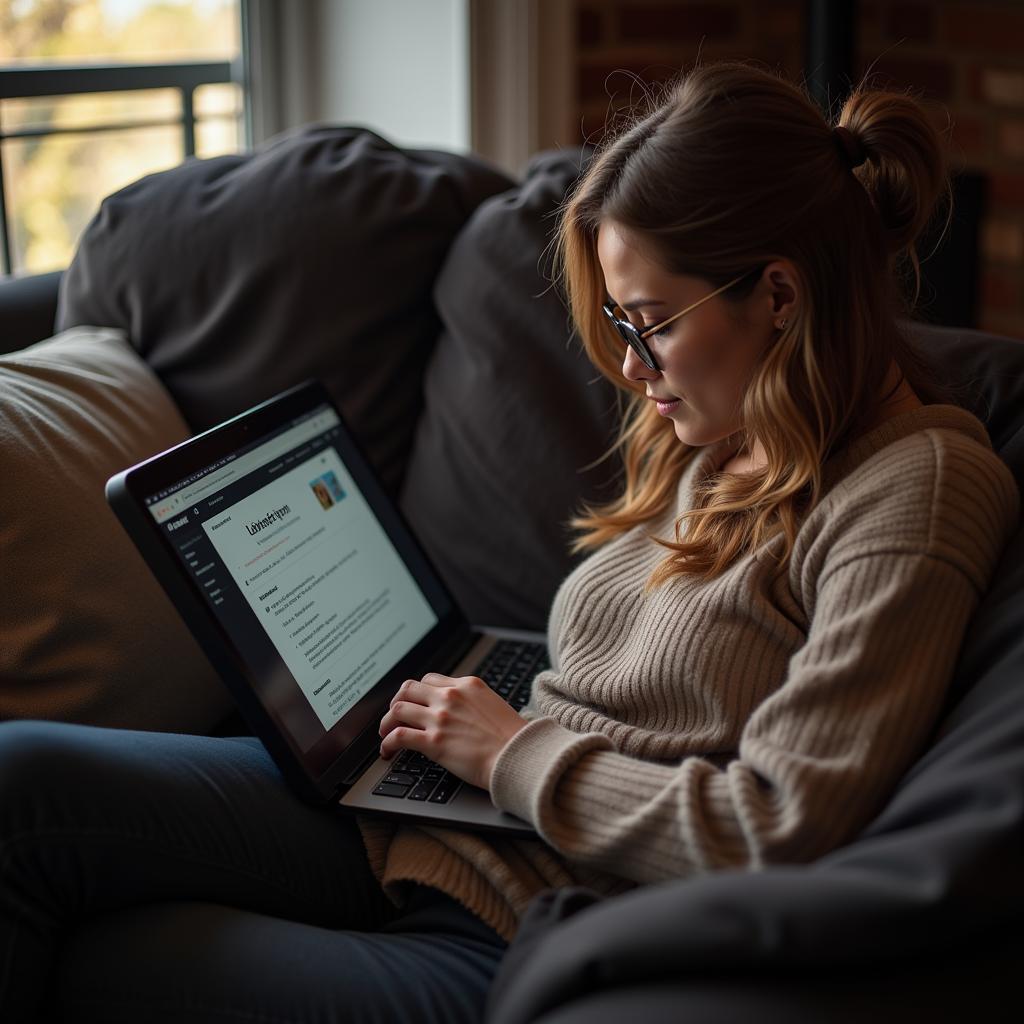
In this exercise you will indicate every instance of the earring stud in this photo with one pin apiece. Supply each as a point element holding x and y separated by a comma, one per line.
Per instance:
<point>782,324</point>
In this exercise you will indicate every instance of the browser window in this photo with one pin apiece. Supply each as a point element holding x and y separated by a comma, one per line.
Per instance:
<point>289,555</point>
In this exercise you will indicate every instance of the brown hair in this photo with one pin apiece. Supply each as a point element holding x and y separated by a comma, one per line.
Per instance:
<point>731,168</point>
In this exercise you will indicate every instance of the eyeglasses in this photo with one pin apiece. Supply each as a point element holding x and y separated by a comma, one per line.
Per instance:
<point>635,338</point>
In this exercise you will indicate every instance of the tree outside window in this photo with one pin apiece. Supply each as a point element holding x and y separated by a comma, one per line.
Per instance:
<point>69,151</point>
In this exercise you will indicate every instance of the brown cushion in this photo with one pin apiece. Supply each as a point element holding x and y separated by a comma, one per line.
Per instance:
<point>87,635</point>
<point>312,256</point>
<point>514,412</point>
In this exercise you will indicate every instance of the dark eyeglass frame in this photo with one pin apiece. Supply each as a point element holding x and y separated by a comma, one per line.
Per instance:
<point>636,339</point>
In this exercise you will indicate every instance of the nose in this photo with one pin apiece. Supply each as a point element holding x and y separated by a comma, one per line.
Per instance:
<point>634,368</point>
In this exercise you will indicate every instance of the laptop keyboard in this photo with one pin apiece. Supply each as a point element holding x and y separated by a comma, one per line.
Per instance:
<point>508,669</point>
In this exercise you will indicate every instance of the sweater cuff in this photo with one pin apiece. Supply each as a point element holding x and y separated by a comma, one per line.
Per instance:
<point>529,765</point>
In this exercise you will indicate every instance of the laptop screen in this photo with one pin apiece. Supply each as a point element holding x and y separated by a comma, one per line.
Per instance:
<point>287,552</point>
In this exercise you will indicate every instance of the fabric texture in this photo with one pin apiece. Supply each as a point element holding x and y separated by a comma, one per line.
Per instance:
<point>918,917</point>
<point>986,374</point>
<point>515,416</point>
<point>28,308</point>
<point>87,634</point>
<point>936,875</point>
<point>751,719</point>
<point>165,878</point>
<point>312,256</point>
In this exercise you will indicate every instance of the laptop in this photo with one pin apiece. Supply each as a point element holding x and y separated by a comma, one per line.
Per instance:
<point>307,590</point>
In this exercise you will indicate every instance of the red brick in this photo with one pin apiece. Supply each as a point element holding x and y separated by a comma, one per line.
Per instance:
<point>589,27</point>
<point>783,56</point>
<point>969,135</point>
<point>660,23</point>
<point>601,81</point>
<point>910,21</point>
<point>934,76</point>
<point>869,15</point>
<point>1000,86</point>
<point>1000,290</point>
<point>594,119</point>
<point>779,18</point>
<point>1011,138</point>
<point>982,27</point>
<point>1006,189</point>
<point>1002,241</point>
<point>1008,325</point>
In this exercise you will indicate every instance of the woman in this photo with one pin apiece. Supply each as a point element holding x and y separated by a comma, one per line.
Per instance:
<point>751,656</point>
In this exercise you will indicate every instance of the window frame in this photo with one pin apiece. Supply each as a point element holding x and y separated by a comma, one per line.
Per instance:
<point>59,80</point>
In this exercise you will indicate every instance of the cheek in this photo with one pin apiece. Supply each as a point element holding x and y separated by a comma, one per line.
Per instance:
<point>711,372</point>
<point>705,359</point>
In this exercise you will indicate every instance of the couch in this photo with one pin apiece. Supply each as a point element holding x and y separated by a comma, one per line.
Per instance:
<point>415,283</point>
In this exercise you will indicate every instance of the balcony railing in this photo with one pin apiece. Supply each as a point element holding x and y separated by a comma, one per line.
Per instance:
<point>31,82</point>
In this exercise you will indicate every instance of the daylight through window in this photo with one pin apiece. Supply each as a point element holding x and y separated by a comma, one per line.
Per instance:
<point>96,93</point>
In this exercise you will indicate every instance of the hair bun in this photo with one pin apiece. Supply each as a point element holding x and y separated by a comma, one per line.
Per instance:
<point>850,147</point>
<point>906,174</point>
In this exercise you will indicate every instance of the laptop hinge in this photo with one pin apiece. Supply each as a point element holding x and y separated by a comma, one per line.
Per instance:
<point>364,763</point>
<point>458,647</point>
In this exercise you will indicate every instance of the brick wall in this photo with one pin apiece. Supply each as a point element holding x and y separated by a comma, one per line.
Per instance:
<point>966,59</point>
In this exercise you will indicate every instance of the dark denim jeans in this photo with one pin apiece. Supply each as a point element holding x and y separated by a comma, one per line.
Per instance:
<point>164,877</point>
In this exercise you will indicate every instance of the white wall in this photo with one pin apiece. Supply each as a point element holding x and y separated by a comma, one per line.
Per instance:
<point>400,67</point>
<point>491,75</point>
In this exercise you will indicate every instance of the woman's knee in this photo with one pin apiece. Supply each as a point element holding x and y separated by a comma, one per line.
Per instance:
<point>41,757</point>
<point>31,750</point>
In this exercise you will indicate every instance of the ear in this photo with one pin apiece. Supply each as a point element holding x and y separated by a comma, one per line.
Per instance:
<point>782,287</point>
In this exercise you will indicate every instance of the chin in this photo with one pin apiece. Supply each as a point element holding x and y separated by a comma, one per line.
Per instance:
<point>697,436</point>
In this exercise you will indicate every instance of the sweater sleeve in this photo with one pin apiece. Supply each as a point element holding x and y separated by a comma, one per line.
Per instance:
<point>815,761</point>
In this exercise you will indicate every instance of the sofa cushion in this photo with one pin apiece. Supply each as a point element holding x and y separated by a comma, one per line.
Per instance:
<point>312,256</point>
<point>986,375</point>
<point>514,412</point>
<point>88,636</point>
<point>28,306</point>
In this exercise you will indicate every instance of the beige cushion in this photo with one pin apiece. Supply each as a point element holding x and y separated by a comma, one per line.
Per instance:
<point>86,635</point>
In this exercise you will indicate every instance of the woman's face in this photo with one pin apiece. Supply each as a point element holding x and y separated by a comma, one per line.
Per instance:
<point>706,356</point>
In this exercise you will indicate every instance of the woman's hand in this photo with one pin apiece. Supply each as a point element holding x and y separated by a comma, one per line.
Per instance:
<point>461,723</point>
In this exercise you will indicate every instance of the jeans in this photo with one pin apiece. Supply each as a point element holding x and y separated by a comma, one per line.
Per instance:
<point>165,877</point>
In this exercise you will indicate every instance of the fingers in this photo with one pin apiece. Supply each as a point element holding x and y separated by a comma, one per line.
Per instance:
<point>414,692</point>
<point>436,679</point>
<point>407,719</point>
<point>404,738</point>
<point>460,723</point>
<point>405,713</point>
<point>405,725</point>
<point>425,690</point>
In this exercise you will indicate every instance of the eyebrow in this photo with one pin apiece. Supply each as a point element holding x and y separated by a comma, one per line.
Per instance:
<point>629,307</point>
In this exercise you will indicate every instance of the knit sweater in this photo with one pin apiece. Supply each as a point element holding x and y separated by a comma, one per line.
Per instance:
<point>746,720</point>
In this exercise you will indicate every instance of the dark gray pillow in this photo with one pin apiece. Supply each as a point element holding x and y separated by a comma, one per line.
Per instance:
<point>514,412</point>
<point>313,255</point>
<point>985,373</point>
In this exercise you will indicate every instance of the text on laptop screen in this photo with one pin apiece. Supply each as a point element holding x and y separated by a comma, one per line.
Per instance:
<point>280,532</point>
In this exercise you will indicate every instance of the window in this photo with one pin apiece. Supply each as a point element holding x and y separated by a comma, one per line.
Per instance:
<point>96,93</point>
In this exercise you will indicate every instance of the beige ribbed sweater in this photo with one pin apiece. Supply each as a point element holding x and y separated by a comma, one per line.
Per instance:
<point>736,722</point>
